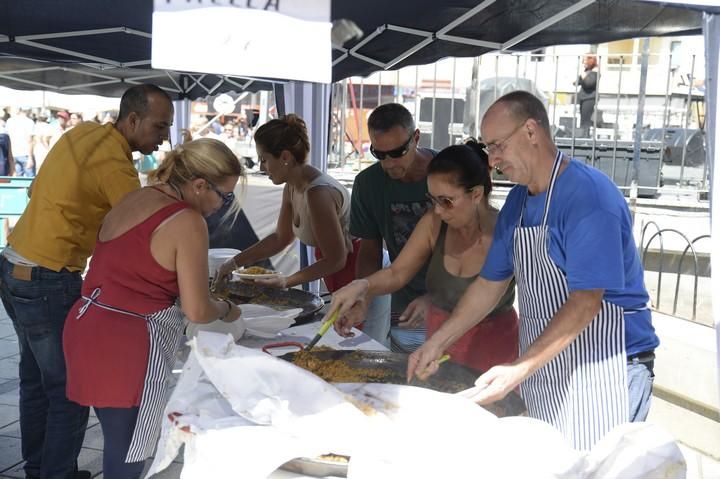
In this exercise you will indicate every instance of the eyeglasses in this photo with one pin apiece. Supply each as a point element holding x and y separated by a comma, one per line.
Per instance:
<point>396,153</point>
<point>499,146</point>
<point>226,198</point>
<point>444,202</point>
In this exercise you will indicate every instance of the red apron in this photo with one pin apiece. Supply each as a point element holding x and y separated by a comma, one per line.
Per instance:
<point>346,275</point>
<point>491,342</point>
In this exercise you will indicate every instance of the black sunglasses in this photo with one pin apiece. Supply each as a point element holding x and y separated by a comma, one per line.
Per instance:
<point>396,153</point>
<point>227,198</point>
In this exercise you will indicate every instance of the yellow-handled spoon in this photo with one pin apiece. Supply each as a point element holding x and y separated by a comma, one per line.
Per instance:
<point>323,329</point>
<point>424,375</point>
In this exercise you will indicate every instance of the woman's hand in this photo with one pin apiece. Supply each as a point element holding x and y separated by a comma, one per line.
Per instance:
<point>223,274</point>
<point>414,315</point>
<point>424,361</point>
<point>351,303</point>
<point>279,281</point>
<point>233,313</point>
<point>173,417</point>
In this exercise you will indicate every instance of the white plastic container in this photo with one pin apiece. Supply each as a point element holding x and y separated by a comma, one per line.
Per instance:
<point>236,328</point>
<point>217,256</point>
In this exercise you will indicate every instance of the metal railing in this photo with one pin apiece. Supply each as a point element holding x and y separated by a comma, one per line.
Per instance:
<point>673,107</point>
<point>662,257</point>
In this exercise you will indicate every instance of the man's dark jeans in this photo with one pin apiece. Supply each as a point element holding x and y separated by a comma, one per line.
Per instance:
<point>52,427</point>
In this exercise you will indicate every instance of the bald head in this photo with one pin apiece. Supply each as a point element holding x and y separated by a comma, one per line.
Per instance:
<point>516,132</point>
<point>520,106</point>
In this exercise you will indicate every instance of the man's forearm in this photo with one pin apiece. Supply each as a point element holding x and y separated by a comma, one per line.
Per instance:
<point>571,319</point>
<point>478,301</point>
<point>369,260</point>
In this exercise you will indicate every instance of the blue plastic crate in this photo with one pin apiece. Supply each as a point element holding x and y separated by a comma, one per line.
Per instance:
<point>13,200</point>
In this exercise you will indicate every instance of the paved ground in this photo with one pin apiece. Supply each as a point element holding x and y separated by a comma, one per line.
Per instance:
<point>699,466</point>
<point>10,456</point>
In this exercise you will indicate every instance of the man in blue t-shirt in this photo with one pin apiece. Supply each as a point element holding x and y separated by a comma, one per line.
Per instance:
<point>388,200</point>
<point>565,233</point>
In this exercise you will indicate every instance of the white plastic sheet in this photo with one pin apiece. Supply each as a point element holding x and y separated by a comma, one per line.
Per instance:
<point>251,412</point>
<point>248,413</point>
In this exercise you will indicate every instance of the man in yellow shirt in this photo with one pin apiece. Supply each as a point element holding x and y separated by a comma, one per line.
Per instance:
<point>84,175</point>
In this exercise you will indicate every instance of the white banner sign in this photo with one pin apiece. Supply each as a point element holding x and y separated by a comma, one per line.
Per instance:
<point>691,3</point>
<point>282,39</point>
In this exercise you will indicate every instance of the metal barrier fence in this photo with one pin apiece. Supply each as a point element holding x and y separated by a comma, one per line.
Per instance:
<point>449,97</point>
<point>694,278</point>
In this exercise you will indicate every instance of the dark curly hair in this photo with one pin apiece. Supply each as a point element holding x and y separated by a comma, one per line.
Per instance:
<point>285,133</point>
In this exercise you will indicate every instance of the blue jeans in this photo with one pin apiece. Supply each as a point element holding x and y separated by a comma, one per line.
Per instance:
<point>406,340</point>
<point>52,427</point>
<point>377,317</point>
<point>21,168</point>
<point>118,426</point>
<point>640,384</point>
<point>377,320</point>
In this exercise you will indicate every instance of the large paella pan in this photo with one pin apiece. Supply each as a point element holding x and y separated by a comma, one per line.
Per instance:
<point>390,368</point>
<point>248,292</point>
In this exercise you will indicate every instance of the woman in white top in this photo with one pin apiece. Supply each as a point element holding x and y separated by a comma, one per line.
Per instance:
<point>315,209</point>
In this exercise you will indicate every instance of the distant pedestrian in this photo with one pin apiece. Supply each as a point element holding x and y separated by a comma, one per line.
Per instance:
<point>586,96</point>
<point>7,163</point>
<point>21,130</point>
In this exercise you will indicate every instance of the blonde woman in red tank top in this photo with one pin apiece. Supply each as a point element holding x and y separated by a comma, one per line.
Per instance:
<point>120,338</point>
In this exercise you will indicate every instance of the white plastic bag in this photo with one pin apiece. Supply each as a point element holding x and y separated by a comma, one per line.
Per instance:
<point>266,322</point>
<point>256,320</point>
<point>638,450</point>
<point>249,411</point>
<point>236,329</point>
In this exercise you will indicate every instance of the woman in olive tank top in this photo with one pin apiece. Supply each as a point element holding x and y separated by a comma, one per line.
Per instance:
<point>455,236</point>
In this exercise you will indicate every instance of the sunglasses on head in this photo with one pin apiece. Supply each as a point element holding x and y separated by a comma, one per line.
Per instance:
<point>395,153</point>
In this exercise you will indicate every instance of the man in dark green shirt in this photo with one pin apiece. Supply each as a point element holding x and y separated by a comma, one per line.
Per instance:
<point>388,199</point>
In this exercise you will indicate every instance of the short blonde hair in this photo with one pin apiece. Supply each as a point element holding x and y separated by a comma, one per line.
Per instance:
<point>205,158</point>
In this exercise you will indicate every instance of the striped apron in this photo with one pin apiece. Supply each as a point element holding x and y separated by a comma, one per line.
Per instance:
<point>164,329</point>
<point>583,391</point>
